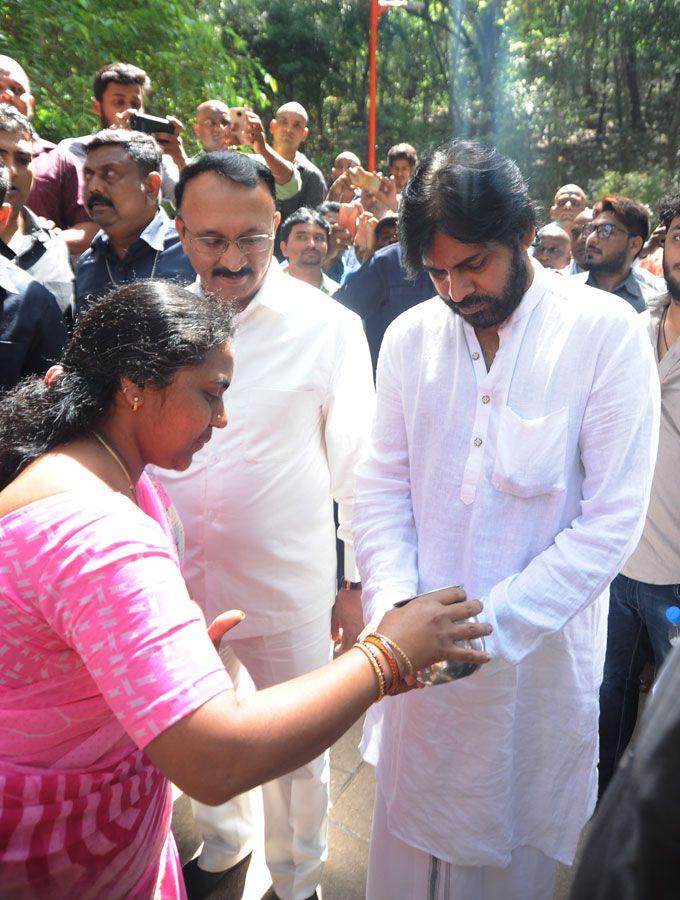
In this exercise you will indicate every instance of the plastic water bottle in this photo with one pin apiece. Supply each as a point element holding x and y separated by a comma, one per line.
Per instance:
<point>673,616</point>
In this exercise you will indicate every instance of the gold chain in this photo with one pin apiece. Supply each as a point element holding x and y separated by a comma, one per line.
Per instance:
<point>120,463</point>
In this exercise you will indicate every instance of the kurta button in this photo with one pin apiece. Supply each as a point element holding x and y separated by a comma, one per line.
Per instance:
<point>486,398</point>
<point>477,442</point>
<point>475,356</point>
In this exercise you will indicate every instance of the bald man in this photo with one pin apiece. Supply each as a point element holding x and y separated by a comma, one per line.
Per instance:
<point>553,248</point>
<point>214,132</point>
<point>213,126</point>
<point>289,130</point>
<point>569,201</point>
<point>343,162</point>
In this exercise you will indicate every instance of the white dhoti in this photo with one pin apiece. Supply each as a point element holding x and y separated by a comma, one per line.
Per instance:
<point>397,871</point>
<point>295,805</point>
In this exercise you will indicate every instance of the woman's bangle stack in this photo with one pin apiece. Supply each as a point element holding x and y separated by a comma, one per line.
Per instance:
<point>372,645</point>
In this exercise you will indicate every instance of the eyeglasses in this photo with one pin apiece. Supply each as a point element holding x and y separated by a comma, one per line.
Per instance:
<point>562,202</point>
<point>604,230</point>
<point>249,245</point>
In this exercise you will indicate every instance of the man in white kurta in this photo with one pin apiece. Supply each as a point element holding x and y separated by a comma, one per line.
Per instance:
<point>257,501</point>
<point>520,470</point>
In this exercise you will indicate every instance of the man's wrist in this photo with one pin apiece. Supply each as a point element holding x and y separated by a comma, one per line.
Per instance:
<point>348,585</point>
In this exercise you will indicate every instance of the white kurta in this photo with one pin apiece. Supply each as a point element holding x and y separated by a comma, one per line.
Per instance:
<point>528,485</point>
<point>256,503</point>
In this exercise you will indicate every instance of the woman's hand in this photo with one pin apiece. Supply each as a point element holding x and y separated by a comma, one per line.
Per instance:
<point>428,626</point>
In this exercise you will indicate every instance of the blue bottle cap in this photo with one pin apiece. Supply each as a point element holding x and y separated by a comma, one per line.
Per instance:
<point>673,615</point>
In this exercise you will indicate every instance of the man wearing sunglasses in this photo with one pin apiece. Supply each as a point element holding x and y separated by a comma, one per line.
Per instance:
<point>614,238</point>
<point>257,501</point>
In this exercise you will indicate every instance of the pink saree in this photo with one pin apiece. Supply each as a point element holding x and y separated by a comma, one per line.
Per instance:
<point>103,651</point>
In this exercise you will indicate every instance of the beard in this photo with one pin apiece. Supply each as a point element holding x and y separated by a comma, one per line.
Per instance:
<point>615,262</point>
<point>497,308</point>
<point>672,283</point>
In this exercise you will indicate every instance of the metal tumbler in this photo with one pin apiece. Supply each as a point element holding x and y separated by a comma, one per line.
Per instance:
<point>449,669</point>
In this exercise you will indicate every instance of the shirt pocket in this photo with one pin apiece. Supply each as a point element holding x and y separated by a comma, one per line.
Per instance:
<point>278,423</point>
<point>531,454</point>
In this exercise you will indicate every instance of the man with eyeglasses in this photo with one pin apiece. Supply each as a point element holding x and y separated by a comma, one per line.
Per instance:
<point>137,239</point>
<point>256,503</point>
<point>614,239</point>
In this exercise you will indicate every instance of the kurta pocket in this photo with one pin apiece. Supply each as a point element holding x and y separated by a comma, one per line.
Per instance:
<point>530,454</point>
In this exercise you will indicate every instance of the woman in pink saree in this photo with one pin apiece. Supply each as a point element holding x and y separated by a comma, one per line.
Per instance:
<point>109,682</point>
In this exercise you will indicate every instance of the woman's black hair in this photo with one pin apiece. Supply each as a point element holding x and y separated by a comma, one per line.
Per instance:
<point>145,330</point>
<point>468,191</point>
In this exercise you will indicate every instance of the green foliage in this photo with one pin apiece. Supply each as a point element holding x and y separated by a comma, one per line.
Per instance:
<point>648,186</point>
<point>62,45</point>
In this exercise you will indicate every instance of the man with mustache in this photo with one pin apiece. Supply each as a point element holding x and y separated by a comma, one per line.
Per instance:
<point>650,580</point>
<point>512,453</point>
<point>257,501</point>
<point>137,239</point>
<point>304,243</point>
<point>614,238</point>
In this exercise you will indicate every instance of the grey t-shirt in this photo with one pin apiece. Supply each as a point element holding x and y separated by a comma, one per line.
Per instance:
<point>656,559</point>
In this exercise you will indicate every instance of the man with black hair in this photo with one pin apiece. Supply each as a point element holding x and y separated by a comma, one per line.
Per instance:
<point>32,330</point>
<point>24,241</point>
<point>257,502</point>
<point>649,581</point>
<point>304,243</point>
<point>402,160</point>
<point>512,409</point>
<point>614,239</point>
<point>119,90</point>
<point>137,239</point>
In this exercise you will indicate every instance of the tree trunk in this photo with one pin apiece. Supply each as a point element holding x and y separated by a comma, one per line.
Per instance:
<point>636,120</point>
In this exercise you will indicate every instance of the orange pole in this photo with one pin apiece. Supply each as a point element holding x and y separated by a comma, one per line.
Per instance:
<point>373,84</point>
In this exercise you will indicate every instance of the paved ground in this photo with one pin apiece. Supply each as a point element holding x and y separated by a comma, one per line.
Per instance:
<point>352,789</point>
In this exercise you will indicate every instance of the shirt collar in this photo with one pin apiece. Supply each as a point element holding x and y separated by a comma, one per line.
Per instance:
<point>630,284</point>
<point>270,293</point>
<point>153,235</point>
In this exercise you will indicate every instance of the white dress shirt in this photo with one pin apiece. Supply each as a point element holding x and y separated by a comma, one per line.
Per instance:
<point>256,502</point>
<point>526,484</point>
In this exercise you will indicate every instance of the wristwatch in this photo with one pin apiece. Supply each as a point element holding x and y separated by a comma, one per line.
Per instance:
<point>348,585</point>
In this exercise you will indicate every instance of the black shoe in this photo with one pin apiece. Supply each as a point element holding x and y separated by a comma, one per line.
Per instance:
<point>227,885</point>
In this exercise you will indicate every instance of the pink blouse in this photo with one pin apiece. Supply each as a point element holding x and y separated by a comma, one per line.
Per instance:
<point>102,650</point>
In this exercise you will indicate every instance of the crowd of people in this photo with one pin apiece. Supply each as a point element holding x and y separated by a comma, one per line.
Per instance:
<point>429,392</point>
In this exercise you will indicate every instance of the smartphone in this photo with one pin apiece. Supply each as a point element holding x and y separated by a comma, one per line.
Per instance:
<point>347,218</point>
<point>150,124</point>
<point>239,124</point>
<point>367,181</point>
